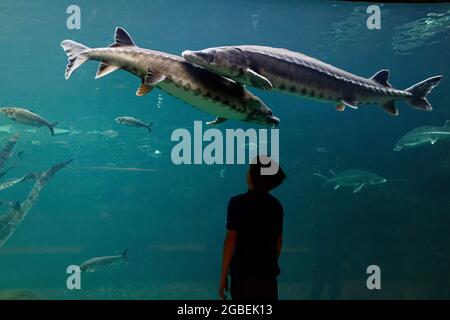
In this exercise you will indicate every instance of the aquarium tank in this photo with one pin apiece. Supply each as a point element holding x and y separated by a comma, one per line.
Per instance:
<point>127,127</point>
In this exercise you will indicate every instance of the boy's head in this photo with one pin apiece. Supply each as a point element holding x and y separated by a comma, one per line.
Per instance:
<point>263,182</point>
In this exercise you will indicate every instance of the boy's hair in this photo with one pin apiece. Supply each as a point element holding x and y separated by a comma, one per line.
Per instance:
<point>262,182</point>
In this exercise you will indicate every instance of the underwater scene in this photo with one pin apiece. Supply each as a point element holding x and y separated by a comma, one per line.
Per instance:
<point>99,199</point>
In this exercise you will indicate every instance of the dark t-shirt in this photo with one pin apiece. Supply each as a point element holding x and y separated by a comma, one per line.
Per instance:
<point>257,217</point>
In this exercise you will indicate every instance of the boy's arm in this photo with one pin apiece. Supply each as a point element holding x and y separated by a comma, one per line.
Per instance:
<point>280,231</point>
<point>228,248</point>
<point>279,245</point>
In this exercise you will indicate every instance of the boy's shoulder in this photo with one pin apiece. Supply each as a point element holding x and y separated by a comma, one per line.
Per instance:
<point>239,197</point>
<point>246,195</point>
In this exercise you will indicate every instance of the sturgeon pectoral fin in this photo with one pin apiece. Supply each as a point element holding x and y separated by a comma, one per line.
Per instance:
<point>105,69</point>
<point>218,120</point>
<point>340,107</point>
<point>433,141</point>
<point>153,78</point>
<point>259,81</point>
<point>350,104</point>
<point>390,108</point>
<point>143,90</point>
<point>336,187</point>
<point>358,188</point>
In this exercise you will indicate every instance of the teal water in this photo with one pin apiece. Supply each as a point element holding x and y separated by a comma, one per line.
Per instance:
<point>172,218</point>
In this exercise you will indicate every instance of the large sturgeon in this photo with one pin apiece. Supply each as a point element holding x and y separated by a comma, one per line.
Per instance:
<point>295,73</point>
<point>201,88</point>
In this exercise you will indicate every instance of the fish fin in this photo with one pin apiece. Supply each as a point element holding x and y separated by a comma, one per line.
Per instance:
<point>332,172</point>
<point>382,77</point>
<point>122,38</point>
<point>433,141</point>
<point>105,69</point>
<point>390,108</point>
<point>340,107</point>
<point>51,127</point>
<point>320,176</point>
<point>358,188</point>
<point>447,123</point>
<point>149,128</point>
<point>259,81</point>
<point>124,255</point>
<point>336,187</point>
<point>143,90</point>
<point>153,78</point>
<point>217,120</point>
<point>350,104</point>
<point>419,92</point>
<point>74,52</point>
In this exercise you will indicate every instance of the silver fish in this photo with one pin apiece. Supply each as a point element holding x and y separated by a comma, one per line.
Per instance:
<point>27,117</point>
<point>204,90</point>
<point>295,73</point>
<point>423,135</point>
<point>133,122</point>
<point>94,264</point>
<point>352,178</point>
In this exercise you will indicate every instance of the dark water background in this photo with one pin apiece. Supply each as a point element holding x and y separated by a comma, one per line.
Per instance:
<point>172,219</point>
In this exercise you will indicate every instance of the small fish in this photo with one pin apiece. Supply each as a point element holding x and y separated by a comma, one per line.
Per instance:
<point>92,265</point>
<point>321,150</point>
<point>27,117</point>
<point>352,178</point>
<point>6,129</point>
<point>423,135</point>
<point>133,122</point>
<point>109,133</point>
<point>295,73</point>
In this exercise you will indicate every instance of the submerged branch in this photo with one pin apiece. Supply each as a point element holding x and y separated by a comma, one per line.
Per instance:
<point>16,214</point>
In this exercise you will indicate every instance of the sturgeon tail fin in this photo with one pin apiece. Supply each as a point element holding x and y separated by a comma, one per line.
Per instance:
<point>419,92</point>
<point>52,127</point>
<point>74,52</point>
<point>124,255</point>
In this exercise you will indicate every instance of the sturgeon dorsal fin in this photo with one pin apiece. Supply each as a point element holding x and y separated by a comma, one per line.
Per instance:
<point>382,77</point>
<point>122,38</point>
<point>105,69</point>
<point>390,108</point>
